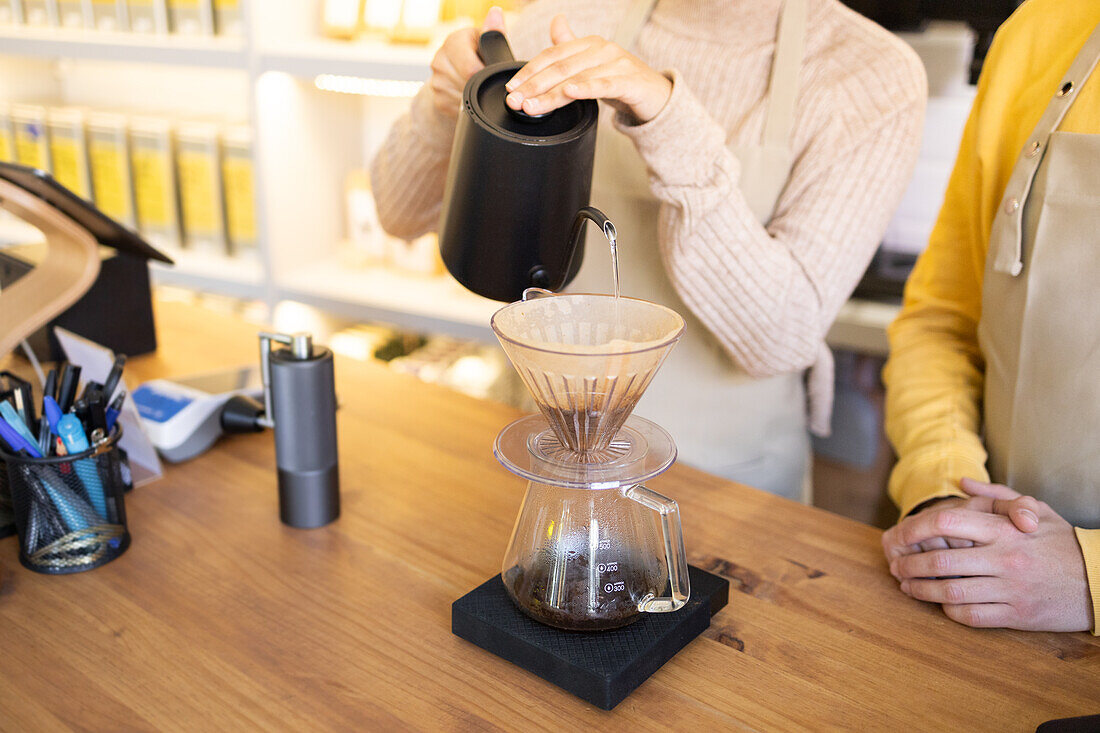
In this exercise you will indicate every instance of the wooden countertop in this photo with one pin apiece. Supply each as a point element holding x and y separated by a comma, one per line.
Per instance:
<point>219,617</point>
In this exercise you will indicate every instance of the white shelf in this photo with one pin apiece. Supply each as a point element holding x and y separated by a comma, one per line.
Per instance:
<point>369,59</point>
<point>228,53</point>
<point>243,278</point>
<point>861,326</point>
<point>428,304</point>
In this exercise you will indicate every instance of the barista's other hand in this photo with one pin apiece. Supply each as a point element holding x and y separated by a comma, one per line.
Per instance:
<point>1034,581</point>
<point>587,68</point>
<point>1023,511</point>
<point>456,61</point>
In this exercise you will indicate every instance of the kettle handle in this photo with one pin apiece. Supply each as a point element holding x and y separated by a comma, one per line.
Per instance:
<point>674,550</point>
<point>493,48</point>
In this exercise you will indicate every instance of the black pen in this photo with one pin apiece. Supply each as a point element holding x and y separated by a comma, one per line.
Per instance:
<point>97,410</point>
<point>115,375</point>
<point>66,391</point>
<point>90,387</point>
<point>50,390</point>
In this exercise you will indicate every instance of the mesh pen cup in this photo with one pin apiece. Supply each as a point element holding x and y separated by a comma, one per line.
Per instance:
<point>69,510</point>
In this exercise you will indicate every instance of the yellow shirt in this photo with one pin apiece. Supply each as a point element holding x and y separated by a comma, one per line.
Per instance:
<point>935,373</point>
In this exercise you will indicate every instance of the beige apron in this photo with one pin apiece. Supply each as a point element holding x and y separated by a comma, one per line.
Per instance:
<point>1040,326</point>
<point>725,422</point>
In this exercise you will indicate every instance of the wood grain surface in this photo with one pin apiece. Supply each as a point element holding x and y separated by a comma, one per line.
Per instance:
<point>221,618</point>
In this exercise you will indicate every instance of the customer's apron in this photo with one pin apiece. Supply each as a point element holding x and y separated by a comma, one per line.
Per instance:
<point>1040,326</point>
<point>725,422</point>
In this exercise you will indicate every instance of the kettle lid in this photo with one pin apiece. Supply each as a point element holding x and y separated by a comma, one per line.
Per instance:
<point>484,99</point>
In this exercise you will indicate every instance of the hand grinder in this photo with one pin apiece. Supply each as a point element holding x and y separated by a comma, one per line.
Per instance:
<point>300,404</point>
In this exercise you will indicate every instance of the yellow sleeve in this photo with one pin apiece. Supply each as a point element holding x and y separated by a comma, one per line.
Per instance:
<point>934,376</point>
<point>1089,540</point>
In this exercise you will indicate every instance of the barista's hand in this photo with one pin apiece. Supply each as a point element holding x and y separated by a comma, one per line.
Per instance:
<point>988,498</point>
<point>456,61</point>
<point>1034,581</point>
<point>587,68</point>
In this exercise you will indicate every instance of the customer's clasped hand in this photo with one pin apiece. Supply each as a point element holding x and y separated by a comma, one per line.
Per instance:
<point>998,559</point>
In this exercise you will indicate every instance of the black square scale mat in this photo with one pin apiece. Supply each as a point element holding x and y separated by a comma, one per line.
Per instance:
<point>602,667</point>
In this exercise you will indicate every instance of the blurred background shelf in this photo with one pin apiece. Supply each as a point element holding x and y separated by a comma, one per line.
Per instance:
<point>50,43</point>
<point>419,303</point>
<point>240,278</point>
<point>370,59</point>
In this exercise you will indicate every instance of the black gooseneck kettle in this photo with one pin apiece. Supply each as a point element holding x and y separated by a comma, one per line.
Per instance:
<point>517,189</point>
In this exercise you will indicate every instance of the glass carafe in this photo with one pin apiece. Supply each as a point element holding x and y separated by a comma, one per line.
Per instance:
<point>592,558</point>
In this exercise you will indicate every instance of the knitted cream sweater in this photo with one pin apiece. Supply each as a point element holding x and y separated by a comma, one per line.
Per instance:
<point>857,134</point>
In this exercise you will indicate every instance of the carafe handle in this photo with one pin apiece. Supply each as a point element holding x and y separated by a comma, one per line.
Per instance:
<point>674,550</point>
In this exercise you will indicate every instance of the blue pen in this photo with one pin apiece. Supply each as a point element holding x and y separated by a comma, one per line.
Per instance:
<point>16,441</point>
<point>72,435</point>
<point>12,418</point>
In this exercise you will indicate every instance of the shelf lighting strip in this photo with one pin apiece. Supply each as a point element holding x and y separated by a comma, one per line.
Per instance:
<point>367,87</point>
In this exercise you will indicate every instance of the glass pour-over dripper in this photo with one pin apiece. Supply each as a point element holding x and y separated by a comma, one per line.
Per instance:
<point>587,359</point>
<point>592,548</point>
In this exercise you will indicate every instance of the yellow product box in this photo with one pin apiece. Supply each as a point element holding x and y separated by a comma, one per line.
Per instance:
<point>69,150</point>
<point>191,17</point>
<point>147,16</point>
<point>7,136</point>
<point>109,15</point>
<point>200,181</point>
<point>227,18</point>
<point>109,158</point>
<point>239,182</point>
<point>32,147</point>
<point>40,12</point>
<point>71,14</point>
<point>154,174</point>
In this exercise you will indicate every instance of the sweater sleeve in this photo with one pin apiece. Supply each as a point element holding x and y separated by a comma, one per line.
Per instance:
<point>1089,540</point>
<point>936,372</point>
<point>410,169</point>
<point>769,294</point>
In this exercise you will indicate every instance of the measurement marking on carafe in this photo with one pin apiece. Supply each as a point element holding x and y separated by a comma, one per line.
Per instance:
<point>608,567</point>
<point>605,544</point>
<point>613,587</point>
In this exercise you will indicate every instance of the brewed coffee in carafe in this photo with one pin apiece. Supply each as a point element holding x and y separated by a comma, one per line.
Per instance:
<point>592,547</point>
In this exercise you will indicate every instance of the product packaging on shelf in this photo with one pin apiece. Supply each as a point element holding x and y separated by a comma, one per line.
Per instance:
<point>364,231</point>
<point>239,182</point>
<point>109,15</point>
<point>31,143</point>
<point>342,18</point>
<point>154,171</point>
<point>7,135</point>
<point>197,162</point>
<point>418,256</point>
<point>148,16</point>
<point>11,12</point>
<point>191,17</point>
<point>227,18</point>
<point>69,150</point>
<point>72,14</point>
<point>109,154</point>
<point>40,12</point>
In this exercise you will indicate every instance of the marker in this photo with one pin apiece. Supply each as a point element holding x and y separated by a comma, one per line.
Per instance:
<point>72,433</point>
<point>16,441</point>
<point>13,419</point>
<point>53,412</point>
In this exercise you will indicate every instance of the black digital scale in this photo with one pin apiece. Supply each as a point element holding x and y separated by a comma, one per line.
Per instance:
<point>602,667</point>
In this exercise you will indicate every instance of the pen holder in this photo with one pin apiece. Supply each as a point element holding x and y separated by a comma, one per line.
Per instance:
<point>69,510</point>
<point>7,514</point>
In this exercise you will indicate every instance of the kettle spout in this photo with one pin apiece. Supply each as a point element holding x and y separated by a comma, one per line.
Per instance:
<point>590,213</point>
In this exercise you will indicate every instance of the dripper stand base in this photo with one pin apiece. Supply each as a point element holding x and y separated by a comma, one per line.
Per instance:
<point>602,667</point>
